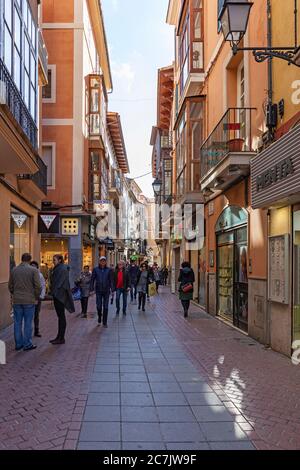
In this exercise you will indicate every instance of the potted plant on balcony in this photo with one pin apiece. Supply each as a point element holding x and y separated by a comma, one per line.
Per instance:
<point>236,145</point>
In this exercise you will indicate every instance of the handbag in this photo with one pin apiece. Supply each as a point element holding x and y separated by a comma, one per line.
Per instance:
<point>76,294</point>
<point>152,289</point>
<point>187,288</point>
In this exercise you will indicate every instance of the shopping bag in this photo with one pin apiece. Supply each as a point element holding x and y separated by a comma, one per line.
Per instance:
<point>76,294</point>
<point>152,289</point>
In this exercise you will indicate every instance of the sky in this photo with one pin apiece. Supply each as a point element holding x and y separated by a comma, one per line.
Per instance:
<point>140,42</point>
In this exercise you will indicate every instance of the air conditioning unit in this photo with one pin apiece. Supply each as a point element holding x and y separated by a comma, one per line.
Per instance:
<point>2,92</point>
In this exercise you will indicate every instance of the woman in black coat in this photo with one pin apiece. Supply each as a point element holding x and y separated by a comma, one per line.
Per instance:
<point>62,296</point>
<point>186,279</point>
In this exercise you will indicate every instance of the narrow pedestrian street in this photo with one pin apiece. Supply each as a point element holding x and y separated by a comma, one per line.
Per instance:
<point>150,381</point>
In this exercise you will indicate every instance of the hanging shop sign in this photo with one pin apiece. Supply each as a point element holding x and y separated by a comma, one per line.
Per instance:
<point>19,219</point>
<point>92,232</point>
<point>48,223</point>
<point>101,207</point>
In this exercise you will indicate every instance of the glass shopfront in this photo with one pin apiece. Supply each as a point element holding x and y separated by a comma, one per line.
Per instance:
<point>87,256</point>
<point>51,247</point>
<point>296,306</point>
<point>232,266</point>
<point>19,236</point>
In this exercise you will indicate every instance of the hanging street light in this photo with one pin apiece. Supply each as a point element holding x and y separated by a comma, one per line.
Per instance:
<point>234,19</point>
<point>157,185</point>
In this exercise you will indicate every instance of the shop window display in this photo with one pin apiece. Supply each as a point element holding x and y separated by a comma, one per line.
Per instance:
<point>19,236</point>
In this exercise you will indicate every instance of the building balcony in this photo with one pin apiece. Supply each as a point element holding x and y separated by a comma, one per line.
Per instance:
<point>18,131</point>
<point>43,60</point>
<point>226,153</point>
<point>34,186</point>
<point>116,186</point>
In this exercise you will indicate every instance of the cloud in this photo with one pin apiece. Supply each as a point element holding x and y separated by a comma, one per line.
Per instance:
<point>115,4</point>
<point>125,74</point>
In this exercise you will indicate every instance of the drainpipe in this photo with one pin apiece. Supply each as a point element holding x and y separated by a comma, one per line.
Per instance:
<point>270,67</point>
<point>296,23</point>
<point>268,312</point>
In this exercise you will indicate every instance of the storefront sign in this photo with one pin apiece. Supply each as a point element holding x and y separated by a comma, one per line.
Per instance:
<point>274,174</point>
<point>92,232</point>
<point>48,220</point>
<point>70,226</point>
<point>19,219</point>
<point>48,223</point>
<point>279,269</point>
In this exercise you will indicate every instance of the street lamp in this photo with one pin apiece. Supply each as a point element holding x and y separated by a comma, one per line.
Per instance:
<point>157,185</point>
<point>234,18</point>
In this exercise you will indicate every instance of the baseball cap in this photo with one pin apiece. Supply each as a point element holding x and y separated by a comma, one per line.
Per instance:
<point>102,258</point>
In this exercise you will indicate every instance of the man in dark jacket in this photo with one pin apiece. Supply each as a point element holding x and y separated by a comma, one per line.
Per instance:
<point>133,273</point>
<point>62,296</point>
<point>102,277</point>
<point>121,285</point>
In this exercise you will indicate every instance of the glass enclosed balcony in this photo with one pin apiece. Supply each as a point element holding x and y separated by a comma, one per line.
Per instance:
<point>226,153</point>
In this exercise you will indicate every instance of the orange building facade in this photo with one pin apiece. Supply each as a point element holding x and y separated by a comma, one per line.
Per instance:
<point>75,130</point>
<point>231,118</point>
<point>23,174</point>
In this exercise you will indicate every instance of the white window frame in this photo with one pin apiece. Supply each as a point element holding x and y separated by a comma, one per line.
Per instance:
<point>53,86</point>
<point>53,145</point>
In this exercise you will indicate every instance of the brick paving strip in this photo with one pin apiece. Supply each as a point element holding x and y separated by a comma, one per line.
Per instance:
<point>150,381</point>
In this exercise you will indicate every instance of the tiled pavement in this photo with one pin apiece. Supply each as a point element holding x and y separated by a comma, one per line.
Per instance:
<point>150,381</point>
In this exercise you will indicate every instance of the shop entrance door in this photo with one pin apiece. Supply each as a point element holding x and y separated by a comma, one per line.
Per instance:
<point>232,278</point>
<point>241,279</point>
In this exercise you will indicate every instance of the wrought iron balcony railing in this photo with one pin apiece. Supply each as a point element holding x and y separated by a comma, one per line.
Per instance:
<point>39,178</point>
<point>11,97</point>
<point>232,134</point>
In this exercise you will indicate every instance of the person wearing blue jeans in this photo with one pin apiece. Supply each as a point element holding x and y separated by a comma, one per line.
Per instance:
<point>121,286</point>
<point>102,279</point>
<point>23,314</point>
<point>25,288</point>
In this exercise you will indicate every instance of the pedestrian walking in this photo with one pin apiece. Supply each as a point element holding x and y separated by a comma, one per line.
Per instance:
<point>103,283</point>
<point>157,276</point>
<point>38,305</point>
<point>150,276</point>
<point>133,273</point>
<point>165,275</point>
<point>121,286</point>
<point>142,286</point>
<point>62,296</point>
<point>25,287</point>
<point>84,283</point>
<point>186,288</point>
